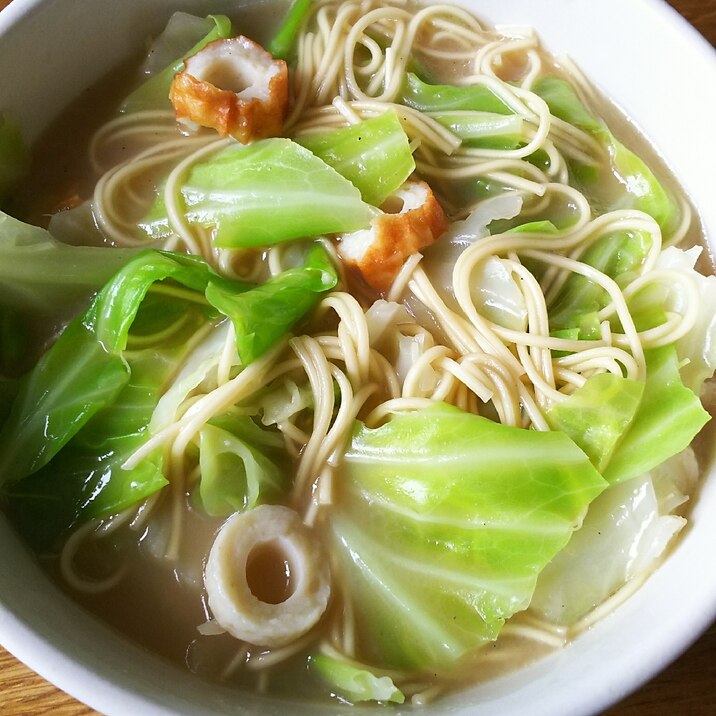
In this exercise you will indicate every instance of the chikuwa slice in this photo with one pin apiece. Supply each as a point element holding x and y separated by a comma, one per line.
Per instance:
<point>276,536</point>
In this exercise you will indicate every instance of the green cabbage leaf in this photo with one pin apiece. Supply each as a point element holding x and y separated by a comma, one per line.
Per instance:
<point>638,186</point>
<point>43,280</point>
<point>465,513</point>
<point>597,415</point>
<point>444,98</point>
<point>487,130</point>
<point>94,390</point>
<point>40,275</point>
<point>282,43</point>
<point>8,391</point>
<point>264,314</point>
<point>620,255</point>
<point>183,37</point>
<point>85,370</point>
<point>265,193</point>
<point>628,428</point>
<point>669,417</point>
<point>241,465</point>
<point>373,155</point>
<point>86,479</point>
<point>353,683</point>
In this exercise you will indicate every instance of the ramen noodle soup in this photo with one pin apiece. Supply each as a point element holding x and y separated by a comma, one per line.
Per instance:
<point>356,358</point>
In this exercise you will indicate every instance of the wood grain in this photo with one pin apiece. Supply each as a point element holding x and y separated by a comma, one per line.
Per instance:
<point>686,688</point>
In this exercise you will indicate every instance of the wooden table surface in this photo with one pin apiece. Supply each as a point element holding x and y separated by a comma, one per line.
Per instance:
<point>686,688</point>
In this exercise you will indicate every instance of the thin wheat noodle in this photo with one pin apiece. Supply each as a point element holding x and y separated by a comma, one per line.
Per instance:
<point>72,576</point>
<point>351,63</point>
<point>318,371</point>
<point>610,286</point>
<point>207,407</point>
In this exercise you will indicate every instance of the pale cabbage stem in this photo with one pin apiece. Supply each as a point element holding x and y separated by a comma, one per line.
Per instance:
<point>608,605</point>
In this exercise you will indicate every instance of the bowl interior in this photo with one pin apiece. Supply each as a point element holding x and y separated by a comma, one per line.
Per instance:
<point>48,631</point>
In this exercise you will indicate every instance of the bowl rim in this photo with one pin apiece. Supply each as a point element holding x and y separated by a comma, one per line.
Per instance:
<point>78,677</point>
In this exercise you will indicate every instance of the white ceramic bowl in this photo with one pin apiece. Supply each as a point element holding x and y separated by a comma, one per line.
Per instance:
<point>654,66</point>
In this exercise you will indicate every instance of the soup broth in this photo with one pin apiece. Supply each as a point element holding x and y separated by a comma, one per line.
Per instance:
<point>508,342</point>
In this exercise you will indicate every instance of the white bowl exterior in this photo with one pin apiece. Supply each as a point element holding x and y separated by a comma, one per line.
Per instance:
<point>651,64</point>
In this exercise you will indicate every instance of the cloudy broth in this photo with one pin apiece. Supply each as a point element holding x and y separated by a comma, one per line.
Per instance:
<point>163,605</point>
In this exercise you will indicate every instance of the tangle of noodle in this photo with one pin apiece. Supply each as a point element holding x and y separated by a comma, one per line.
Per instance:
<point>351,59</point>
